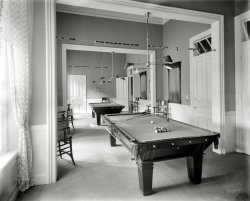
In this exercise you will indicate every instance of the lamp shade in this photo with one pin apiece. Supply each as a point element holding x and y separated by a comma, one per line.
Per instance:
<point>102,82</point>
<point>109,80</point>
<point>168,59</point>
<point>167,65</point>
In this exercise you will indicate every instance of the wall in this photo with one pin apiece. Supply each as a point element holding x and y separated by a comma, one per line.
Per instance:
<point>89,29</point>
<point>241,6</point>
<point>225,8</point>
<point>93,59</point>
<point>176,34</point>
<point>38,67</point>
<point>38,127</point>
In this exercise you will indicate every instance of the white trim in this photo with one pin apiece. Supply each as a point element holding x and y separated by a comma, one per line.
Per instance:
<point>107,14</point>
<point>51,93</point>
<point>66,47</point>
<point>218,98</point>
<point>127,6</point>
<point>238,55</point>
<point>41,162</point>
<point>240,146</point>
<point>237,31</point>
<point>200,36</point>
<point>132,7</point>
<point>104,49</point>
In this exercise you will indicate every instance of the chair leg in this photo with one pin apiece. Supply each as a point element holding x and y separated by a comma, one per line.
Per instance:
<point>72,123</point>
<point>60,151</point>
<point>71,152</point>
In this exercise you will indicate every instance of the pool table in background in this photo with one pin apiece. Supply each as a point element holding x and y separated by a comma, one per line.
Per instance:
<point>104,108</point>
<point>136,131</point>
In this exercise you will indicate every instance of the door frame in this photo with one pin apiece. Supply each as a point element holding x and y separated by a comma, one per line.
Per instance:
<point>191,41</point>
<point>238,54</point>
<point>217,27</point>
<point>84,75</point>
<point>66,47</point>
<point>191,60</point>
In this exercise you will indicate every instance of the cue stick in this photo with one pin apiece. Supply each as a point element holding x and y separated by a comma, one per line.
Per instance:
<point>138,116</point>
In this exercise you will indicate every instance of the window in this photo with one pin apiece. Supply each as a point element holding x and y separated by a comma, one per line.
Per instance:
<point>174,83</point>
<point>202,46</point>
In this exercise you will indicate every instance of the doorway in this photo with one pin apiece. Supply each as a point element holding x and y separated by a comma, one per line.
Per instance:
<point>66,47</point>
<point>77,93</point>
<point>200,79</point>
<point>242,77</point>
<point>217,24</point>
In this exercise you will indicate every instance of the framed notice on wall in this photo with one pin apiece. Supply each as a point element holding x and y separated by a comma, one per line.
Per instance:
<point>174,82</point>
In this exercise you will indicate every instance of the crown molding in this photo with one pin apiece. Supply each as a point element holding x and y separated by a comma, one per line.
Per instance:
<point>158,11</point>
<point>107,14</point>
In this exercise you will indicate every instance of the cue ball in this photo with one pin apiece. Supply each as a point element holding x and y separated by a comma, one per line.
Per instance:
<point>151,122</point>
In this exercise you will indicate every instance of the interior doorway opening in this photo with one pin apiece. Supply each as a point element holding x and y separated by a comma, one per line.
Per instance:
<point>217,24</point>
<point>77,93</point>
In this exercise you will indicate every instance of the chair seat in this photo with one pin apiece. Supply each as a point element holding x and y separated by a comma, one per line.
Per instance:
<point>61,137</point>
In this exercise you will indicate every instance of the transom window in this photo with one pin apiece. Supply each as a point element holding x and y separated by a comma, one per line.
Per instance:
<point>202,46</point>
<point>245,30</point>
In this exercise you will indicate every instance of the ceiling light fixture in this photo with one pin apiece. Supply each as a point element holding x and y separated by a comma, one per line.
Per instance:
<point>112,65</point>
<point>165,60</point>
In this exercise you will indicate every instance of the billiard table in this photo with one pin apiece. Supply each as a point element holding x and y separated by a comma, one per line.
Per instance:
<point>137,132</point>
<point>104,108</point>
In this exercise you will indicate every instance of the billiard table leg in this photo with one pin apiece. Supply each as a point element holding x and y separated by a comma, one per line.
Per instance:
<point>98,119</point>
<point>194,166</point>
<point>93,114</point>
<point>145,173</point>
<point>112,141</point>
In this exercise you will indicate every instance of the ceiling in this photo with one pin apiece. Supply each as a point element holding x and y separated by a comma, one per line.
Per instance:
<point>108,14</point>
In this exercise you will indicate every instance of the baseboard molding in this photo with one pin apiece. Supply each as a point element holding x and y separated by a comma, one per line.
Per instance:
<point>13,194</point>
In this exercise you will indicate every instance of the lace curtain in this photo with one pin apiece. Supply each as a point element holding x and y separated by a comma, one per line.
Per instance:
<point>16,31</point>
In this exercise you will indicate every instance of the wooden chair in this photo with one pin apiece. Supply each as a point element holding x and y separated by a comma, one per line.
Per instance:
<point>134,105</point>
<point>70,116</point>
<point>162,108</point>
<point>64,137</point>
<point>148,110</point>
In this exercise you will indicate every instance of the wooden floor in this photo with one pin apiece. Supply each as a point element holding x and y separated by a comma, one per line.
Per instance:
<point>107,173</point>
